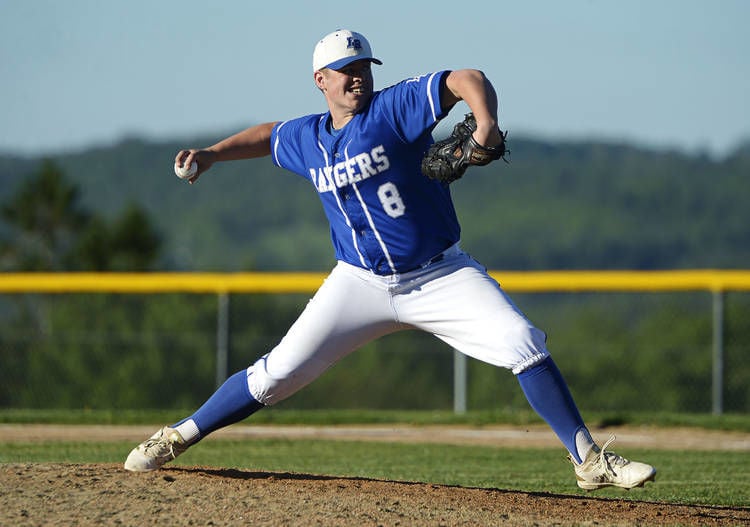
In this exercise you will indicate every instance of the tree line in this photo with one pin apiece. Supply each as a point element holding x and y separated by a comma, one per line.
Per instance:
<point>559,206</point>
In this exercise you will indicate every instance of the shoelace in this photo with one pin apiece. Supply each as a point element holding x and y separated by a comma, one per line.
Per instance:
<point>162,446</point>
<point>610,459</point>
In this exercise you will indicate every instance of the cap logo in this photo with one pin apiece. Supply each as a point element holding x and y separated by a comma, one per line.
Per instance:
<point>354,43</point>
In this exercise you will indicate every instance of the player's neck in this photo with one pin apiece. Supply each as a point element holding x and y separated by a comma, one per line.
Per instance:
<point>337,122</point>
<point>341,114</point>
<point>331,129</point>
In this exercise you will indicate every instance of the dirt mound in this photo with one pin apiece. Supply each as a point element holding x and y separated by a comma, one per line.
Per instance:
<point>65,494</point>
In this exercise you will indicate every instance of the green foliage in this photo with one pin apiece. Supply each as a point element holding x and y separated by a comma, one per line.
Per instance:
<point>104,351</point>
<point>632,351</point>
<point>47,229</point>
<point>44,217</point>
<point>409,370</point>
<point>597,206</point>
<point>131,243</point>
<point>736,364</point>
<point>48,343</point>
<point>619,353</point>
<point>556,206</point>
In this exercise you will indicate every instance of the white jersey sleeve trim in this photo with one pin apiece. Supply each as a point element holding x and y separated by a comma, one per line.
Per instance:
<point>430,98</point>
<point>276,145</point>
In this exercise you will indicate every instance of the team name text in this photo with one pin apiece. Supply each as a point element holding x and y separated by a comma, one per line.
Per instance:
<point>351,170</point>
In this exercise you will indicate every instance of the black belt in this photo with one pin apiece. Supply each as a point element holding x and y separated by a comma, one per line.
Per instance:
<point>435,259</point>
<point>439,258</point>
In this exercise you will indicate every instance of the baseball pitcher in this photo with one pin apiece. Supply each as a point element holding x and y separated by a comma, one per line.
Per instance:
<point>384,185</point>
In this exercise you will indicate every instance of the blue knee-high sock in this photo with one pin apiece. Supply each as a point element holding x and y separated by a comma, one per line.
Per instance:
<point>550,397</point>
<point>229,404</point>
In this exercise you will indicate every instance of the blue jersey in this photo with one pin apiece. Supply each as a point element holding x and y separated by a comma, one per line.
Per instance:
<point>384,214</point>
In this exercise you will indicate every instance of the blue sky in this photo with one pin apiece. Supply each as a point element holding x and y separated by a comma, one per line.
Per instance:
<point>658,73</point>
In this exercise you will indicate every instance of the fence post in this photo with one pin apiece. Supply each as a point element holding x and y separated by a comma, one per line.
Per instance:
<point>222,338</point>
<point>459,382</point>
<point>718,354</point>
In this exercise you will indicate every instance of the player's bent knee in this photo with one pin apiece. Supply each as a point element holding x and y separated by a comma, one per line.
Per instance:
<point>530,346</point>
<point>266,389</point>
<point>269,388</point>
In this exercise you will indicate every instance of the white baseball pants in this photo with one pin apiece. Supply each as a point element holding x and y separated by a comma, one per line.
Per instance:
<point>454,299</point>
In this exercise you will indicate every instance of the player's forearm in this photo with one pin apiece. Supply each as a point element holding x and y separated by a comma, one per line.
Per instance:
<point>249,143</point>
<point>473,87</point>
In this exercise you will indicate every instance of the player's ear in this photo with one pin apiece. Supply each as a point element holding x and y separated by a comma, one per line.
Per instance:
<point>319,79</point>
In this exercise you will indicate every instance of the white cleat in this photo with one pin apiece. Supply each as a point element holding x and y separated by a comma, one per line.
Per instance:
<point>607,469</point>
<point>163,446</point>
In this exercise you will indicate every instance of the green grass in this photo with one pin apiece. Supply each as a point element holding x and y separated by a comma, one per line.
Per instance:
<point>706,478</point>
<point>688,477</point>
<point>736,422</point>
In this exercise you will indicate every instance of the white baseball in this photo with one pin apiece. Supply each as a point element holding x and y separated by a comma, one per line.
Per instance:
<point>184,172</point>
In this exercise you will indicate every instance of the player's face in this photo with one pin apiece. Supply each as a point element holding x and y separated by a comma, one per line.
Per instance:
<point>350,87</point>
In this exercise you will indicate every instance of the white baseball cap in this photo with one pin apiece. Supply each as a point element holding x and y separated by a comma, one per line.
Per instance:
<point>340,48</point>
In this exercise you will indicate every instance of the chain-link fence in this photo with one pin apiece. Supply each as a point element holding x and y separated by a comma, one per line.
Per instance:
<point>638,351</point>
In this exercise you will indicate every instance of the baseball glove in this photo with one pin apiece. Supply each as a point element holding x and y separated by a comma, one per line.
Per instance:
<point>447,160</point>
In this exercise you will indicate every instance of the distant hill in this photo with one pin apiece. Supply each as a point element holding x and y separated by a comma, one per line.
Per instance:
<point>578,205</point>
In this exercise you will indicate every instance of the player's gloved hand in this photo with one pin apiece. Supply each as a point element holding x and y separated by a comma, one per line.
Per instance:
<point>447,160</point>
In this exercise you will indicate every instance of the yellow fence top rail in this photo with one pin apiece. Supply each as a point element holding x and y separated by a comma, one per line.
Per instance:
<point>676,280</point>
<point>160,282</point>
<point>293,282</point>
